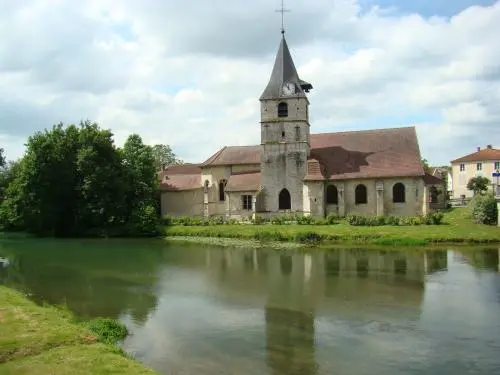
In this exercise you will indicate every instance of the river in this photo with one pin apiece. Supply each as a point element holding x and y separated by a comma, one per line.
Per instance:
<point>195,309</point>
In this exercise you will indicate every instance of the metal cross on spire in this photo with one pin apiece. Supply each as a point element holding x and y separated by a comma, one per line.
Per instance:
<point>282,11</point>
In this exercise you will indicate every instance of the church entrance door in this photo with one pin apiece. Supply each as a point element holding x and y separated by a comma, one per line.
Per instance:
<point>284,200</point>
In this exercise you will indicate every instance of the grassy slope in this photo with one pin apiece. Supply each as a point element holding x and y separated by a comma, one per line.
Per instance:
<point>457,228</point>
<point>46,340</point>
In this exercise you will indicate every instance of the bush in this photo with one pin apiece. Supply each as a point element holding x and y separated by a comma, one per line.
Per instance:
<point>433,218</point>
<point>310,238</point>
<point>484,209</point>
<point>108,330</point>
<point>332,219</point>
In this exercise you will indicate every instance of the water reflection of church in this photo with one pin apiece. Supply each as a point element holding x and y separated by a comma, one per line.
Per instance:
<point>292,287</point>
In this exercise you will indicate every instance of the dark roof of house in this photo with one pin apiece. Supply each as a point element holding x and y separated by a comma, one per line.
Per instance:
<point>367,154</point>
<point>482,155</point>
<point>284,71</point>
<point>249,181</point>
<point>231,155</point>
<point>432,180</point>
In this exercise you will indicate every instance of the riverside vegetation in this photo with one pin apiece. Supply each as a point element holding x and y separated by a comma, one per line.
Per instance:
<point>73,181</point>
<point>455,225</point>
<point>49,340</point>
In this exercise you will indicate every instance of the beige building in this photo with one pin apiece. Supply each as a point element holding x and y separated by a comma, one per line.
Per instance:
<point>484,162</point>
<point>373,172</point>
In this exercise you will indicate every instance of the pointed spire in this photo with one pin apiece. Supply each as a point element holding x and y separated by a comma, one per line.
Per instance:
<point>284,72</point>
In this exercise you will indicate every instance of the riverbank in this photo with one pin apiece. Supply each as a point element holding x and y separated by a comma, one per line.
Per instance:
<point>457,228</point>
<point>47,340</point>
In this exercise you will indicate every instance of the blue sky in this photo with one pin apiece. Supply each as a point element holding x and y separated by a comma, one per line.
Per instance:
<point>190,74</point>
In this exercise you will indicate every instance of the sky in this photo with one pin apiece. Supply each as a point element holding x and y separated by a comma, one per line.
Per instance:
<point>189,74</point>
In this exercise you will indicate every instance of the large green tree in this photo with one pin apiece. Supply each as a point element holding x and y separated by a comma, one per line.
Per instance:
<point>142,182</point>
<point>73,180</point>
<point>163,155</point>
<point>478,184</point>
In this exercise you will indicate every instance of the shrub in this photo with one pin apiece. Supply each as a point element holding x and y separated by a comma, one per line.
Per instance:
<point>484,209</point>
<point>108,330</point>
<point>310,238</point>
<point>433,218</point>
<point>332,219</point>
<point>305,220</point>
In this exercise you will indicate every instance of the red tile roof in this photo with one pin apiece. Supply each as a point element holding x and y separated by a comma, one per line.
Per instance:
<point>345,155</point>
<point>368,153</point>
<point>481,155</point>
<point>181,182</point>
<point>234,155</point>
<point>244,182</point>
<point>182,169</point>
<point>315,171</point>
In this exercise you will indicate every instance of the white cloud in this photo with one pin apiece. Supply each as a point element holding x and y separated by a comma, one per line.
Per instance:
<point>190,76</point>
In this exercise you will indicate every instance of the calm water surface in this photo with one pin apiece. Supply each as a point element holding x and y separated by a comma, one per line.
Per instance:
<point>200,310</point>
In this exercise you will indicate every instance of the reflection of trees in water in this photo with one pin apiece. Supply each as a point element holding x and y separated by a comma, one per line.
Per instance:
<point>436,261</point>
<point>92,279</point>
<point>486,259</point>
<point>290,342</point>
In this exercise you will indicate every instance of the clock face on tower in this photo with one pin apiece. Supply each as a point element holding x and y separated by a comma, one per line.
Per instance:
<point>288,88</point>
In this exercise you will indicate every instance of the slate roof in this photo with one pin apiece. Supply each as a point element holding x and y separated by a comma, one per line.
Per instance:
<point>485,154</point>
<point>367,154</point>
<point>249,181</point>
<point>284,71</point>
<point>230,155</point>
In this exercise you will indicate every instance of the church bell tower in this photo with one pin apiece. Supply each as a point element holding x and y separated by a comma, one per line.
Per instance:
<point>285,141</point>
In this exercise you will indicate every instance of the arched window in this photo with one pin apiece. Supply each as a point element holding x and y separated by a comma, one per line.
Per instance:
<point>360,194</point>
<point>222,190</point>
<point>332,196</point>
<point>284,200</point>
<point>434,194</point>
<point>282,109</point>
<point>398,193</point>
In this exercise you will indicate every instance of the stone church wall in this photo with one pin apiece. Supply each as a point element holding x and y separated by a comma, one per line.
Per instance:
<point>415,198</point>
<point>182,203</point>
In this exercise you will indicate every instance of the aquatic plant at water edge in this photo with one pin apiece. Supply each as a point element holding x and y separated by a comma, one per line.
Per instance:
<point>108,330</point>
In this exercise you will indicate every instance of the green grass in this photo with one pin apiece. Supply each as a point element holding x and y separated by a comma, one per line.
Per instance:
<point>48,340</point>
<point>457,227</point>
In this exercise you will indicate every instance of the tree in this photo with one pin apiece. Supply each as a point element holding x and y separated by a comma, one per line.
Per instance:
<point>425,165</point>
<point>74,181</point>
<point>163,155</point>
<point>2,158</point>
<point>478,184</point>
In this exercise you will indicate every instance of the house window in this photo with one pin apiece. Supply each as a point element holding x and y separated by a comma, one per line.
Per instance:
<point>297,133</point>
<point>222,190</point>
<point>462,167</point>
<point>282,109</point>
<point>398,193</point>
<point>360,194</point>
<point>246,201</point>
<point>479,166</point>
<point>332,195</point>
<point>284,200</point>
<point>497,165</point>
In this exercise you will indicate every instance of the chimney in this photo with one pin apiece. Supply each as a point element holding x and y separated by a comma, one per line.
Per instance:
<point>489,147</point>
<point>478,148</point>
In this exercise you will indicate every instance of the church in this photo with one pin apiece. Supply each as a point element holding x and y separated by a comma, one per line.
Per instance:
<point>372,172</point>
